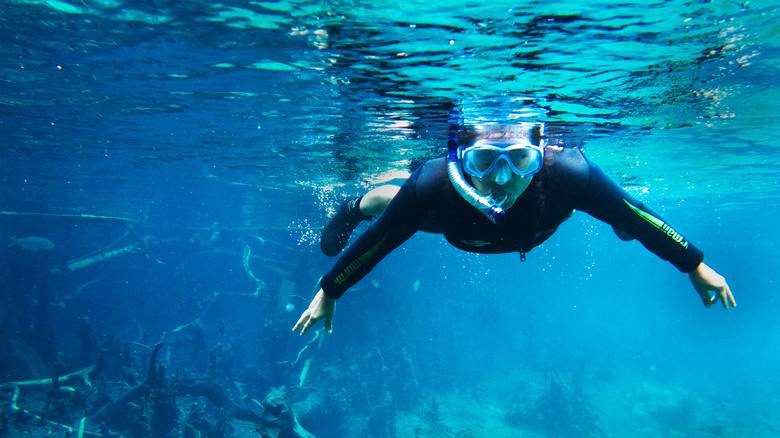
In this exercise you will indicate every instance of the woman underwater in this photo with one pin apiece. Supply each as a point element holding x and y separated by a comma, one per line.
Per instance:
<point>500,189</point>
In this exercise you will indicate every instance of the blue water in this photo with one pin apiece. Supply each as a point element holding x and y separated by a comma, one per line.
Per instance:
<point>194,150</point>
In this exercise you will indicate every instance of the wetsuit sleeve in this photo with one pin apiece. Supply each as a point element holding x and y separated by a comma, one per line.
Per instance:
<point>400,220</point>
<point>605,200</point>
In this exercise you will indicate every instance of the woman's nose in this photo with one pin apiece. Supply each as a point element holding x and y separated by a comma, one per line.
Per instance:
<point>502,173</point>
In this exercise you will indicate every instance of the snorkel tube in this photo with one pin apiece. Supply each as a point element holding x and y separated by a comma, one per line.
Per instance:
<point>465,190</point>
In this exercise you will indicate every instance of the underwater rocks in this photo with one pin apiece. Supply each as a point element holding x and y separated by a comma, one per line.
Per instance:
<point>670,407</point>
<point>562,410</point>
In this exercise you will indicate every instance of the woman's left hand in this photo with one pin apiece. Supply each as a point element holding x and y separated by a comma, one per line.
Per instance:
<point>705,279</point>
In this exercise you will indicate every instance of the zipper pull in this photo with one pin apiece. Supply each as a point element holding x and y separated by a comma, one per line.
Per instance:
<point>522,255</point>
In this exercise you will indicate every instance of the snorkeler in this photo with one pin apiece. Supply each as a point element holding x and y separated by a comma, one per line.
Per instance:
<point>514,194</point>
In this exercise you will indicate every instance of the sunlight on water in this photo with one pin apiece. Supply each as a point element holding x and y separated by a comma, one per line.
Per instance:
<point>369,83</point>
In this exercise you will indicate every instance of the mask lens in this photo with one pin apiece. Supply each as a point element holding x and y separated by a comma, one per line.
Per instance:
<point>524,159</point>
<point>483,158</point>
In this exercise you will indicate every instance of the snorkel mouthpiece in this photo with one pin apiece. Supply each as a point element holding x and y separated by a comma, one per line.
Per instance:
<point>485,205</point>
<point>498,201</point>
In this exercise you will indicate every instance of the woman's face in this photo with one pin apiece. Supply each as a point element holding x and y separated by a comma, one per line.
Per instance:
<point>502,185</point>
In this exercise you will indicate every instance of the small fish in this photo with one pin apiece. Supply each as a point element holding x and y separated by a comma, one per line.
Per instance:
<point>31,243</point>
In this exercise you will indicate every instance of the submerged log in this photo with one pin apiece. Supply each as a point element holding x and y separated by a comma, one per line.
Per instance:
<point>67,378</point>
<point>118,406</point>
<point>132,248</point>
<point>279,420</point>
<point>217,395</point>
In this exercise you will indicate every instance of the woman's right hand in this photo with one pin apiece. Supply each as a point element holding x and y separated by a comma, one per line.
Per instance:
<point>322,306</point>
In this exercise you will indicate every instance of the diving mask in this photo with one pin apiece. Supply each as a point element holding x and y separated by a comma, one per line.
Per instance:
<point>523,157</point>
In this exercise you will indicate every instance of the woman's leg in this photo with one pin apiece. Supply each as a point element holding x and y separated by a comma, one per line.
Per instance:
<point>374,202</point>
<point>336,234</point>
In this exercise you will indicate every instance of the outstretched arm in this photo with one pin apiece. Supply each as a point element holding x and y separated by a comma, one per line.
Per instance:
<point>705,279</point>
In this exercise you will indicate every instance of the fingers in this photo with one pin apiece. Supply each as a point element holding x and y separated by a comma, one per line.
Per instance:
<point>307,326</point>
<point>722,294</point>
<point>301,321</point>
<point>307,321</point>
<point>706,298</point>
<point>727,297</point>
<point>731,298</point>
<point>304,323</point>
<point>329,323</point>
<point>318,309</point>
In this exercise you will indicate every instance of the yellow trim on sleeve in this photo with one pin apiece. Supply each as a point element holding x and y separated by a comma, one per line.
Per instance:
<point>661,225</point>
<point>357,263</point>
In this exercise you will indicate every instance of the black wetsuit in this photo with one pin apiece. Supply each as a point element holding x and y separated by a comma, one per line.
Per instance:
<point>568,181</point>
